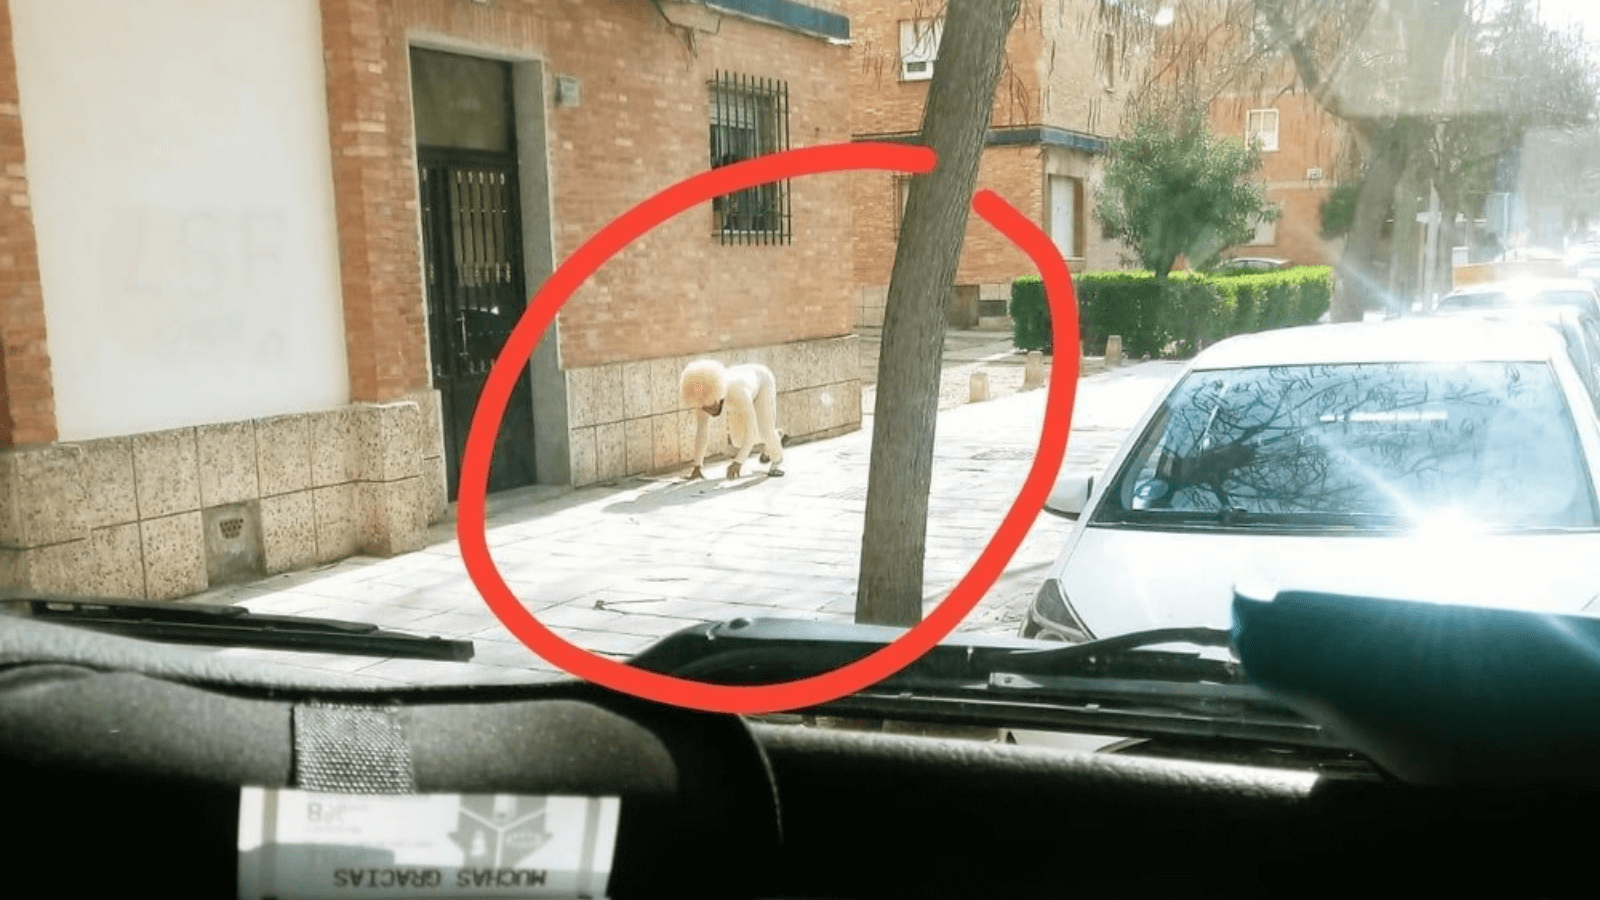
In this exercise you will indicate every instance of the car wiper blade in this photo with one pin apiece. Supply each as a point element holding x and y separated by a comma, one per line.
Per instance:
<point>1237,517</point>
<point>1136,685</point>
<point>232,626</point>
<point>766,651</point>
<point>1116,655</point>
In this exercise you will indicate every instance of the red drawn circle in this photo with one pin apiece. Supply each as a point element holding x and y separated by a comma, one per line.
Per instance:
<point>472,525</point>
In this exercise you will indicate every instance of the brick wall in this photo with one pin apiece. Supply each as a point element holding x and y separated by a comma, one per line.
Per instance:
<point>27,404</point>
<point>886,104</point>
<point>1013,172</point>
<point>677,290</point>
<point>1050,79</point>
<point>375,199</point>
<point>640,126</point>
<point>1308,138</point>
<point>1078,90</point>
<point>1052,74</point>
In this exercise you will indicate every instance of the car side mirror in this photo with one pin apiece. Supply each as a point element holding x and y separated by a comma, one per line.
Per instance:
<point>1070,496</point>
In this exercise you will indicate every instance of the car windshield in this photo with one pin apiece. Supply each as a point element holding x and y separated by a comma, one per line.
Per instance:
<point>1359,445</point>
<point>515,323</point>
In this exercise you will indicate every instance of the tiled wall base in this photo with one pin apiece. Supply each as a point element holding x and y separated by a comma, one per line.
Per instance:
<point>168,514</point>
<point>626,418</point>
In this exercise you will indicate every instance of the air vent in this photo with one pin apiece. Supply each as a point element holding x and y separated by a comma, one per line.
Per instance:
<point>233,542</point>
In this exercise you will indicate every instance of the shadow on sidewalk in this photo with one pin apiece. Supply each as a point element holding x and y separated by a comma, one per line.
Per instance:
<point>678,493</point>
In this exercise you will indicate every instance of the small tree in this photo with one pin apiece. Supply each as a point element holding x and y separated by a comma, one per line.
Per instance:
<point>1175,189</point>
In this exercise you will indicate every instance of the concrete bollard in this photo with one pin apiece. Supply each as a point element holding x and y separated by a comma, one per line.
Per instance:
<point>979,387</point>
<point>1033,370</point>
<point>1114,350</point>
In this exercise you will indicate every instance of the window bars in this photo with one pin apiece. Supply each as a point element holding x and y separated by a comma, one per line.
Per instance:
<point>749,118</point>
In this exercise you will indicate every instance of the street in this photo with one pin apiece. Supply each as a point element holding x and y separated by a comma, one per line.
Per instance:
<point>612,568</point>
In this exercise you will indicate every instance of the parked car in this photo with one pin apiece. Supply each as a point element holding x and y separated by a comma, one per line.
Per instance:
<point>1578,293</point>
<point>1243,265</point>
<point>1581,334</point>
<point>1584,260</point>
<point>1409,458</point>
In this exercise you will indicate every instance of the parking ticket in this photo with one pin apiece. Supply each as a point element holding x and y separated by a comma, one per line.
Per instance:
<point>305,845</point>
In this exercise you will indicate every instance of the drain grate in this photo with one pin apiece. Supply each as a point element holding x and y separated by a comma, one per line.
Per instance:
<point>231,528</point>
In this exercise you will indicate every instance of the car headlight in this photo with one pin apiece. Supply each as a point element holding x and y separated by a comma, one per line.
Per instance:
<point>1051,616</point>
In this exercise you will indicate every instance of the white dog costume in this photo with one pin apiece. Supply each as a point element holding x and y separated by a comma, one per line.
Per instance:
<point>750,394</point>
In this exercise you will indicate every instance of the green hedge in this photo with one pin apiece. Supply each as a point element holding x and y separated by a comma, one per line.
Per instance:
<point>1030,315</point>
<point>1193,311</point>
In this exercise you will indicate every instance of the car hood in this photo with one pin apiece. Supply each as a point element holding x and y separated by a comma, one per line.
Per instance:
<point>1122,580</point>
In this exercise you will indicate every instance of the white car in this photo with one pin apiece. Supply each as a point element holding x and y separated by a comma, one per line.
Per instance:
<point>1580,332</point>
<point>1525,291</point>
<point>1448,459</point>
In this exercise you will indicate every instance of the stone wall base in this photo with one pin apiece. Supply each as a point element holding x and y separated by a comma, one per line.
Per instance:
<point>626,418</point>
<point>168,514</point>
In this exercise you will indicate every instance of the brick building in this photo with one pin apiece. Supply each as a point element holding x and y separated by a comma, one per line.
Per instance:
<point>1301,151</point>
<point>1067,76</point>
<point>257,259</point>
<point>1226,52</point>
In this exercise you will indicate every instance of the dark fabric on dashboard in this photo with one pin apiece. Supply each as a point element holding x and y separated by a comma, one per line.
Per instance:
<point>123,722</point>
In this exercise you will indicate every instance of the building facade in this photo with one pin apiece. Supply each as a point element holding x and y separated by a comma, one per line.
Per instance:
<point>1302,148</point>
<point>1067,76</point>
<point>1225,53</point>
<point>260,257</point>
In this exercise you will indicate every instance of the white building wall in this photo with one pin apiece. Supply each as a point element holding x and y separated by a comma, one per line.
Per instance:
<point>182,193</point>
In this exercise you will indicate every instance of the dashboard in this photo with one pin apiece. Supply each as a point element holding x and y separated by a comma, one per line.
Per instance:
<point>127,762</point>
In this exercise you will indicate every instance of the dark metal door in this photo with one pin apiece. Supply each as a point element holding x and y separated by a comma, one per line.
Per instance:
<point>473,269</point>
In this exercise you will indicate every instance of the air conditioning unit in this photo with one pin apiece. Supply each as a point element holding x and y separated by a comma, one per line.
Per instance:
<point>1314,174</point>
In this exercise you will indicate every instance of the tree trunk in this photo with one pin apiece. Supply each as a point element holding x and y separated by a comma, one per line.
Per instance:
<point>1450,236</point>
<point>1359,287</point>
<point>954,124</point>
<point>1431,28</point>
<point>1405,243</point>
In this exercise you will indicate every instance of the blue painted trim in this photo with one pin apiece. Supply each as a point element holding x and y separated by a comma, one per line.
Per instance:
<point>1047,135</point>
<point>789,14</point>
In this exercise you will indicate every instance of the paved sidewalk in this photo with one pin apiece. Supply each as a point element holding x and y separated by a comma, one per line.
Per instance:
<point>613,568</point>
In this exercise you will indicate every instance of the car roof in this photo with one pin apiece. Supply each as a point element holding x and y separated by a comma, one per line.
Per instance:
<point>1525,284</point>
<point>1416,339</point>
<point>1557,314</point>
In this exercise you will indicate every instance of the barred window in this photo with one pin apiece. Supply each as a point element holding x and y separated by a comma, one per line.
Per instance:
<point>749,118</point>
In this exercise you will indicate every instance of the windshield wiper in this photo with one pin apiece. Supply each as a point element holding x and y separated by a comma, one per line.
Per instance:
<point>1237,517</point>
<point>232,626</point>
<point>1159,682</point>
